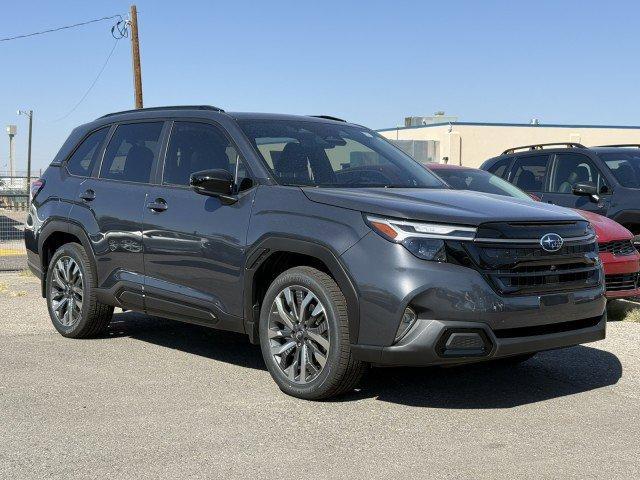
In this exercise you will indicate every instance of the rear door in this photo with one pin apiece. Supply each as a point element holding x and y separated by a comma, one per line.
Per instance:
<point>112,205</point>
<point>194,244</point>
<point>529,173</point>
<point>566,170</point>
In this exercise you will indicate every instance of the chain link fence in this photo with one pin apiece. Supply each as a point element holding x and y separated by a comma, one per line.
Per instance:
<point>13,215</point>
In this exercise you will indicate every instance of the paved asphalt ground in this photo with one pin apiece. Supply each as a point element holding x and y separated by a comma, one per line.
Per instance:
<point>155,398</point>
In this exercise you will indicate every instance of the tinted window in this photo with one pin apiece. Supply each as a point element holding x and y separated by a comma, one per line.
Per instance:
<point>197,146</point>
<point>571,168</point>
<point>499,168</point>
<point>131,152</point>
<point>84,158</point>
<point>529,172</point>
<point>334,155</point>
<point>625,165</point>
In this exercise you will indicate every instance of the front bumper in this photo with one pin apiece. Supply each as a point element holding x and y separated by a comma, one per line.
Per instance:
<point>423,346</point>
<point>448,297</point>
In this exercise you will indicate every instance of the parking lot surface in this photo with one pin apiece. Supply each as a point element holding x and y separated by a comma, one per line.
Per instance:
<point>156,398</point>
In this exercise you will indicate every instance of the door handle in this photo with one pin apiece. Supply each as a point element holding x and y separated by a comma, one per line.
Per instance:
<point>88,195</point>
<point>158,205</point>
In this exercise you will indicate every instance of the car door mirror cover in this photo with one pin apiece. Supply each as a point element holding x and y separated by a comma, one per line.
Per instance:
<point>587,189</point>
<point>584,189</point>
<point>215,183</point>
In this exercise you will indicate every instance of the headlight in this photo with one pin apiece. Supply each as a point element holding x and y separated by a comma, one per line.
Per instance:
<point>426,248</point>
<point>424,240</point>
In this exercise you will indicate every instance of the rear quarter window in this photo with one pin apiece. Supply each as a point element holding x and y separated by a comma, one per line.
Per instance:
<point>82,161</point>
<point>500,167</point>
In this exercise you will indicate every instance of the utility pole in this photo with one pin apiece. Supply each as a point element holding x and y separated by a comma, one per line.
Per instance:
<point>135,55</point>
<point>28,113</point>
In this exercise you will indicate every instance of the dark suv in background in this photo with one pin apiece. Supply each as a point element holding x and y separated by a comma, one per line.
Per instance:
<point>317,238</point>
<point>603,180</point>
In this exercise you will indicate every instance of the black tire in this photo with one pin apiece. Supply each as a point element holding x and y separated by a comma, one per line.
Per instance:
<point>342,372</point>
<point>94,316</point>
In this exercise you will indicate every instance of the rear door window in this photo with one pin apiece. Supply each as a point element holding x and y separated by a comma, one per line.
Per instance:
<point>529,172</point>
<point>131,152</point>
<point>82,161</point>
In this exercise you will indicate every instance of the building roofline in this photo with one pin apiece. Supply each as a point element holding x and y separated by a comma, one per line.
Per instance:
<point>498,124</point>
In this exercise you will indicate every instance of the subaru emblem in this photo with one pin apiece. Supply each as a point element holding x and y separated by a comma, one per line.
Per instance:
<point>551,242</point>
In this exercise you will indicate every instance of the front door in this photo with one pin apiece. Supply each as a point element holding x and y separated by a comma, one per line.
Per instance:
<point>567,170</point>
<point>195,245</point>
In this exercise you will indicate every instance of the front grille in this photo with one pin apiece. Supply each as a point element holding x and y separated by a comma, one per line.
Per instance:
<point>505,252</point>
<point>515,264</point>
<point>619,247</point>
<point>545,277</point>
<point>621,282</point>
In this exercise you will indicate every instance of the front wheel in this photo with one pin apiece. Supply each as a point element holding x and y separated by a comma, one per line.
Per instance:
<point>304,335</point>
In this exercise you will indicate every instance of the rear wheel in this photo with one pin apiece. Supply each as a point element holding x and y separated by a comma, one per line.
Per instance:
<point>304,335</point>
<point>70,285</point>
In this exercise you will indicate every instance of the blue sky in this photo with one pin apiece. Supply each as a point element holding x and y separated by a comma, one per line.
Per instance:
<point>370,62</point>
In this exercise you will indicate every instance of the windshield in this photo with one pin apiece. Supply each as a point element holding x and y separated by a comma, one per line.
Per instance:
<point>480,181</point>
<point>625,166</point>
<point>332,155</point>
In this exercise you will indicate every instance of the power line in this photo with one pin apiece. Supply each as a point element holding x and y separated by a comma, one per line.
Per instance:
<point>6,39</point>
<point>95,80</point>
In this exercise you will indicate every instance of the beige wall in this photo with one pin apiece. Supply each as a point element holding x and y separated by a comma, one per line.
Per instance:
<point>470,145</point>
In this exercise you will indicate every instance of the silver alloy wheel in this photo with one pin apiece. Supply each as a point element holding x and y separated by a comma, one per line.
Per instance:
<point>299,334</point>
<point>66,291</point>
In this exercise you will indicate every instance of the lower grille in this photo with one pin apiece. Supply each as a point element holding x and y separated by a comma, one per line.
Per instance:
<point>547,329</point>
<point>618,248</point>
<point>621,282</point>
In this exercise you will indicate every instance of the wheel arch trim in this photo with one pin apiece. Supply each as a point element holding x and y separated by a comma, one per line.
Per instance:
<point>267,247</point>
<point>62,226</point>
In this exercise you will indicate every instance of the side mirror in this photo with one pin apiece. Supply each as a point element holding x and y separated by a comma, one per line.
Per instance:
<point>215,183</point>
<point>586,189</point>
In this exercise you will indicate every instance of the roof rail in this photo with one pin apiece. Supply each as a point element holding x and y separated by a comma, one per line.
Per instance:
<point>170,107</point>
<point>637,145</point>
<point>328,117</point>
<point>539,146</point>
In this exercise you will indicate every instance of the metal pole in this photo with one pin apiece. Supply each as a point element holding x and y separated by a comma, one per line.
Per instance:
<point>135,56</point>
<point>29,158</point>
<point>11,155</point>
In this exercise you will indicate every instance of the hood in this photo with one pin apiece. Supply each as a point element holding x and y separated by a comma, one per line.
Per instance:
<point>606,229</point>
<point>461,207</point>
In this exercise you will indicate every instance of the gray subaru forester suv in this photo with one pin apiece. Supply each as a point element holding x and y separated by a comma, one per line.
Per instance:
<point>317,238</point>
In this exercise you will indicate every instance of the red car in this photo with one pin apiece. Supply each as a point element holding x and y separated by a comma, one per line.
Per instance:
<point>619,256</point>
